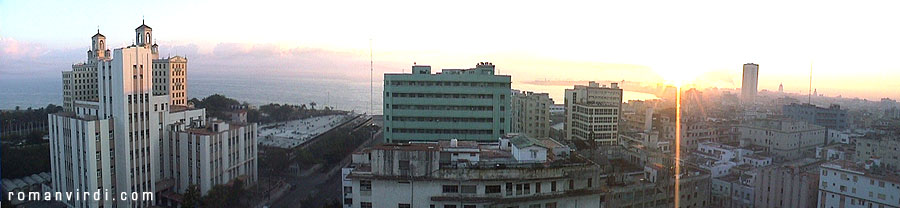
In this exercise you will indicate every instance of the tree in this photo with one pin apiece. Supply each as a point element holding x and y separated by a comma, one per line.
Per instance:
<point>224,195</point>
<point>191,197</point>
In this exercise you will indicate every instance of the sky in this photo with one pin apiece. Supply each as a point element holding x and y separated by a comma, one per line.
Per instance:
<point>851,47</point>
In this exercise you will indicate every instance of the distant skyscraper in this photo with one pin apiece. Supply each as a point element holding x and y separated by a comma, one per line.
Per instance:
<point>749,82</point>
<point>780,88</point>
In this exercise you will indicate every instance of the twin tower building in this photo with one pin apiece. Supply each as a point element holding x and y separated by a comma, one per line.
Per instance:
<point>129,134</point>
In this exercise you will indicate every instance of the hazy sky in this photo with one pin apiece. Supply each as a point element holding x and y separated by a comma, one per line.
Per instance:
<point>852,47</point>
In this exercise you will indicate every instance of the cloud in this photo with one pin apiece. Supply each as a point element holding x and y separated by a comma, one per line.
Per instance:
<point>26,59</point>
<point>273,60</point>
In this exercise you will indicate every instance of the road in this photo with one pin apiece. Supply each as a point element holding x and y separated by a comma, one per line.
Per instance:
<point>323,187</point>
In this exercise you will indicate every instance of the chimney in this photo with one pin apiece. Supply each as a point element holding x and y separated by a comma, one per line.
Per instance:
<point>454,142</point>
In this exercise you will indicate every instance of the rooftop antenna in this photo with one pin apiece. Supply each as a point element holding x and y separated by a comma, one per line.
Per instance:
<point>371,79</point>
<point>809,91</point>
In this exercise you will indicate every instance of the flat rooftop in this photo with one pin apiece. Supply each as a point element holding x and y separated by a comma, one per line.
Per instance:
<point>294,133</point>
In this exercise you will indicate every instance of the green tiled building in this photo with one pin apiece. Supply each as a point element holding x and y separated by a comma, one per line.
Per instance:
<point>465,104</point>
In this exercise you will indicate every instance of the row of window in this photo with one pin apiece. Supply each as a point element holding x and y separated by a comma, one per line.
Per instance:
<point>443,95</point>
<point>442,107</point>
<point>442,119</point>
<point>448,83</point>
<point>443,131</point>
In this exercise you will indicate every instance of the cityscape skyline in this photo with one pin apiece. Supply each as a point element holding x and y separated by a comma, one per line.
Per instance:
<point>635,45</point>
<point>589,105</point>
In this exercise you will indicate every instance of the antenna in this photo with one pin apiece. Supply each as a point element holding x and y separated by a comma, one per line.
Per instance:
<point>371,79</point>
<point>809,91</point>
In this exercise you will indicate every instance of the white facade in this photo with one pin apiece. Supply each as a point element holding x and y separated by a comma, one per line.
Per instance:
<point>592,112</point>
<point>844,184</point>
<point>215,154</point>
<point>81,149</point>
<point>424,175</point>
<point>116,134</point>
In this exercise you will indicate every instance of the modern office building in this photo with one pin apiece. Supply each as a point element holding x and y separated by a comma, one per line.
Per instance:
<point>519,172</point>
<point>119,134</point>
<point>749,82</point>
<point>786,139</point>
<point>530,113</point>
<point>592,112</point>
<point>832,117</point>
<point>465,104</point>
<point>847,184</point>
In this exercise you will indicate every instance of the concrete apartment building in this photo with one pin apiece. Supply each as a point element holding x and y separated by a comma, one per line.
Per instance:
<point>116,138</point>
<point>844,183</point>
<point>519,171</point>
<point>749,83</point>
<point>465,104</point>
<point>832,117</point>
<point>694,132</point>
<point>793,184</point>
<point>879,146</point>
<point>786,139</point>
<point>530,113</point>
<point>232,147</point>
<point>735,190</point>
<point>592,112</point>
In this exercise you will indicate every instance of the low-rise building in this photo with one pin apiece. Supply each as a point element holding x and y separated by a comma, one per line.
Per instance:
<point>463,174</point>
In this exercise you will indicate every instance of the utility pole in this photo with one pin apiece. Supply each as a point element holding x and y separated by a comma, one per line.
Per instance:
<point>371,79</point>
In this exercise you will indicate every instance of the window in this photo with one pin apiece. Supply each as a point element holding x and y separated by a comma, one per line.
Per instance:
<point>571,184</point>
<point>449,206</point>
<point>404,165</point>
<point>468,206</point>
<point>450,189</point>
<point>553,186</point>
<point>365,204</point>
<point>550,205</point>
<point>492,189</point>
<point>537,187</point>
<point>590,182</point>
<point>365,185</point>
<point>403,206</point>
<point>468,189</point>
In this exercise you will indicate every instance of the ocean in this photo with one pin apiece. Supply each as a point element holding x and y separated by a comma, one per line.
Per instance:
<point>338,93</point>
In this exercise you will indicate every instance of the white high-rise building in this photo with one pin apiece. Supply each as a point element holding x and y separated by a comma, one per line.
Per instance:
<point>592,112</point>
<point>116,134</point>
<point>749,82</point>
